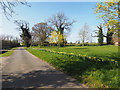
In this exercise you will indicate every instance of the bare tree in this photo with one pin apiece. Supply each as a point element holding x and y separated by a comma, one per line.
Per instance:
<point>7,6</point>
<point>83,34</point>
<point>41,31</point>
<point>61,24</point>
<point>2,37</point>
<point>11,38</point>
<point>6,37</point>
<point>33,38</point>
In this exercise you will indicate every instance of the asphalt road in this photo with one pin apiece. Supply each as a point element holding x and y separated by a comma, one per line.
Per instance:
<point>23,70</point>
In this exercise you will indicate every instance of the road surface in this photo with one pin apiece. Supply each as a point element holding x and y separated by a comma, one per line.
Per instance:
<point>23,70</point>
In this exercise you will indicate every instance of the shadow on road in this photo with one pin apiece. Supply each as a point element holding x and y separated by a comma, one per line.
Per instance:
<point>35,79</point>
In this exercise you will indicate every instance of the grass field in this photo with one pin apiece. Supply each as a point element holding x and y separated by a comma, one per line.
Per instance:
<point>95,75</point>
<point>105,52</point>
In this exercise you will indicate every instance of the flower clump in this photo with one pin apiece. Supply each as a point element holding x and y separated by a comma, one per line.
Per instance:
<point>79,55</point>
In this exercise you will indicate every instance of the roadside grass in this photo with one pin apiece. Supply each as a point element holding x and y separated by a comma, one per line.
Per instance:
<point>95,75</point>
<point>14,48</point>
<point>8,53</point>
<point>106,52</point>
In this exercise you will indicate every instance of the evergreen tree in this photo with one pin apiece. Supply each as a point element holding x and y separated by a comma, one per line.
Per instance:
<point>26,36</point>
<point>100,36</point>
<point>109,36</point>
<point>24,27</point>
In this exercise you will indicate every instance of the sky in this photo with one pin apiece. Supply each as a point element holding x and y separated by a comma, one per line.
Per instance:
<point>81,12</point>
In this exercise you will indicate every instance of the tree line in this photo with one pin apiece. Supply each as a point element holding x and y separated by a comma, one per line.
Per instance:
<point>44,33</point>
<point>8,41</point>
<point>54,31</point>
<point>109,12</point>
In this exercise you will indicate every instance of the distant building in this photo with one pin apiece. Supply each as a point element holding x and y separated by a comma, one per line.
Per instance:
<point>116,41</point>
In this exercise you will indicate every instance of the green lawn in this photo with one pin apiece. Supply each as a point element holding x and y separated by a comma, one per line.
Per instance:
<point>105,52</point>
<point>93,74</point>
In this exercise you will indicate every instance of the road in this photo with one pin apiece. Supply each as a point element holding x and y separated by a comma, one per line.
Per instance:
<point>23,70</point>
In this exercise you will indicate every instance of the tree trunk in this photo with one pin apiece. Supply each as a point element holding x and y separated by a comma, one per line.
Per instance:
<point>82,42</point>
<point>109,37</point>
<point>61,37</point>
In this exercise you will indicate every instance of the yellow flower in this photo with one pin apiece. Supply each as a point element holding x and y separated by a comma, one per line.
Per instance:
<point>89,57</point>
<point>62,52</point>
<point>112,60</point>
<point>71,53</point>
<point>94,58</point>
<point>84,55</point>
<point>99,60</point>
<point>102,59</point>
<point>65,53</point>
<point>79,54</point>
<point>54,51</point>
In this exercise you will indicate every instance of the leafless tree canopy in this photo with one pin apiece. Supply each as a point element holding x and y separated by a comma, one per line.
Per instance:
<point>22,24</point>
<point>41,31</point>
<point>83,34</point>
<point>33,38</point>
<point>61,22</point>
<point>7,6</point>
<point>9,38</point>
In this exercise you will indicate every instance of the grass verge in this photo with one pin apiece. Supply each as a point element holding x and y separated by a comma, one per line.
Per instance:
<point>7,54</point>
<point>95,75</point>
<point>106,52</point>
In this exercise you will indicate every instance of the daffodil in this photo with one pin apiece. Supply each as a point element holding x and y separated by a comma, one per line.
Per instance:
<point>54,51</point>
<point>89,57</point>
<point>71,53</point>
<point>79,54</point>
<point>112,60</point>
<point>94,58</point>
<point>102,59</point>
<point>84,55</point>
<point>99,60</point>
